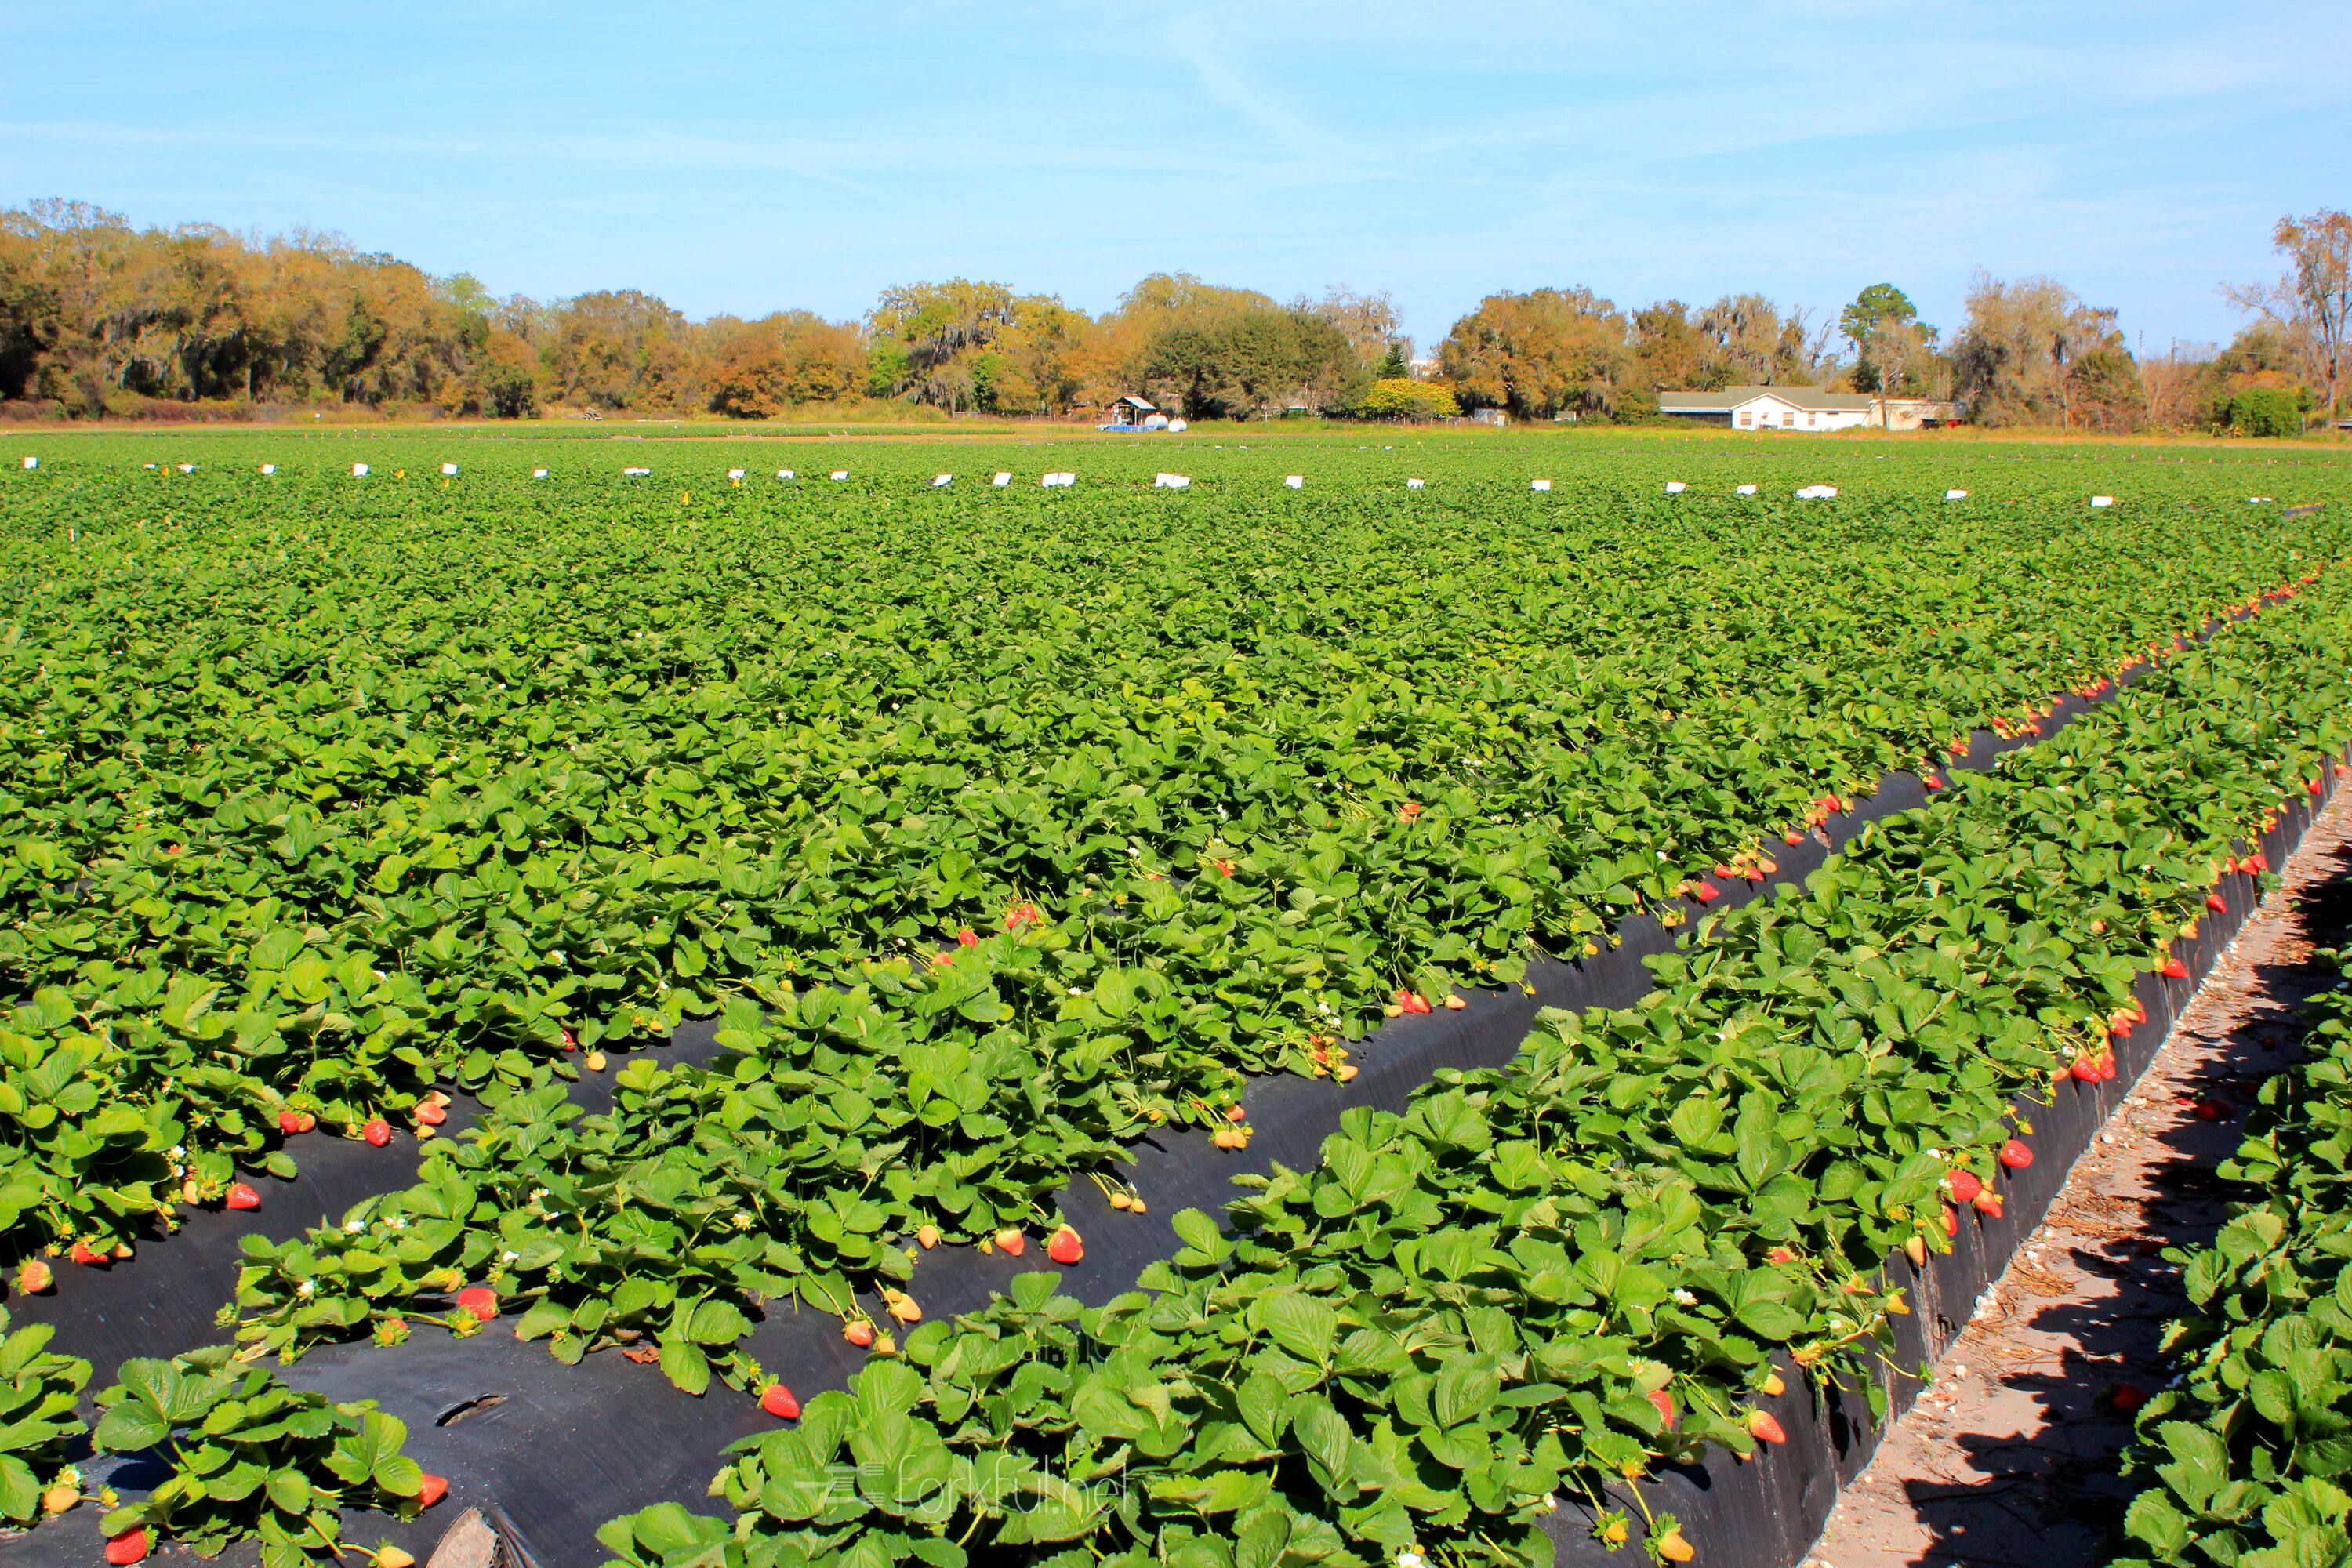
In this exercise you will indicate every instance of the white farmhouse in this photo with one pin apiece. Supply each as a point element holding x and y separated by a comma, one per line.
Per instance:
<point>1803,408</point>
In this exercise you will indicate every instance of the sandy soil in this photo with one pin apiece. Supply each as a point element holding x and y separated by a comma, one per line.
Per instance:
<point>2010,1458</point>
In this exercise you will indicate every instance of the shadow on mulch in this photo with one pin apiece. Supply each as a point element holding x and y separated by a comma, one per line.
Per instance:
<point>2053,1496</point>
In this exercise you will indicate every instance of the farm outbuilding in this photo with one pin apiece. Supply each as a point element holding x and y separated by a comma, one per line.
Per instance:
<point>1132,412</point>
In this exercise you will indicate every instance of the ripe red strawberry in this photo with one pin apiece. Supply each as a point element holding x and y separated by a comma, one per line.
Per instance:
<point>1235,1113</point>
<point>290,1123</point>
<point>2106,1067</point>
<point>1705,893</point>
<point>967,937</point>
<point>1726,872</point>
<point>2314,786</point>
<point>778,1402</point>
<point>2126,1398</point>
<point>1066,1248</point>
<point>241,1196</point>
<point>2086,1068</point>
<point>1011,1241</point>
<point>1951,1221</point>
<point>2258,861</point>
<point>480,1300</point>
<point>431,1489</point>
<point>1964,1184</point>
<point>2212,1110</point>
<point>1794,837</point>
<point>80,1253</point>
<point>1664,1404</point>
<point>859,1333</point>
<point>1934,782</point>
<point>1020,915</point>
<point>570,1042</point>
<point>1780,1255</point>
<point>378,1131</point>
<point>1987,1203</point>
<point>127,1547</point>
<point>1410,811</point>
<point>2215,902</point>
<point>2175,970</point>
<point>1764,1428</point>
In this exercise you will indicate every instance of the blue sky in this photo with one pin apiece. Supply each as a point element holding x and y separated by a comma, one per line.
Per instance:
<point>743,158</point>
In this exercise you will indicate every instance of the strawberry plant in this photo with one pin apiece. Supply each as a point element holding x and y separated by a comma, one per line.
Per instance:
<point>39,1391</point>
<point>2242,1459</point>
<point>251,1460</point>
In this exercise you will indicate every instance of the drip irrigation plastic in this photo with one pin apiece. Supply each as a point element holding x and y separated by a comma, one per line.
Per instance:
<point>550,1452</point>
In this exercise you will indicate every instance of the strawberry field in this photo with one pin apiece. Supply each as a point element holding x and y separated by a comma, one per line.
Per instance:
<point>999,828</point>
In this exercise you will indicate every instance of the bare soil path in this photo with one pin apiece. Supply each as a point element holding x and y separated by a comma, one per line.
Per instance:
<point>2009,1461</point>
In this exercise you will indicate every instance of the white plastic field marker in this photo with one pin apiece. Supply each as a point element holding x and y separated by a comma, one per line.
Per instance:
<point>1171,481</point>
<point>1818,493</point>
<point>1955,495</point>
<point>941,482</point>
<point>2103,500</point>
<point>32,463</point>
<point>187,468</point>
<point>448,471</point>
<point>734,473</point>
<point>1059,481</point>
<point>1413,485</point>
<point>783,473</point>
<point>1294,481</point>
<point>1001,480</point>
<point>1676,487</point>
<point>269,467</point>
<point>1745,490</point>
<point>359,470</point>
<point>637,473</point>
<point>840,474</point>
<point>1540,484</point>
<point>538,473</point>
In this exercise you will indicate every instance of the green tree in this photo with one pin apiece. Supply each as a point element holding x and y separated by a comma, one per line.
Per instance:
<point>2265,411</point>
<point>1883,326</point>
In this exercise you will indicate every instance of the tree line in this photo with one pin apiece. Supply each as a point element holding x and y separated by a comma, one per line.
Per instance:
<point>99,318</point>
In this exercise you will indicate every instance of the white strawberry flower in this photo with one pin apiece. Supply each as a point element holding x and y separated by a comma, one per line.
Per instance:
<point>308,1288</point>
<point>1684,1297</point>
<point>353,1227</point>
<point>1410,1559</point>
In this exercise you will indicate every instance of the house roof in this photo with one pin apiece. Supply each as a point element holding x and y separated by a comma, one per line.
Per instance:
<point>1137,401</point>
<point>1805,399</point>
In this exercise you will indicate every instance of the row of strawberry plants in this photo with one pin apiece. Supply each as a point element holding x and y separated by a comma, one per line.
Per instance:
<point>322,821</point>
<point>1550,1277</point>
<point>2241,1462</point>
